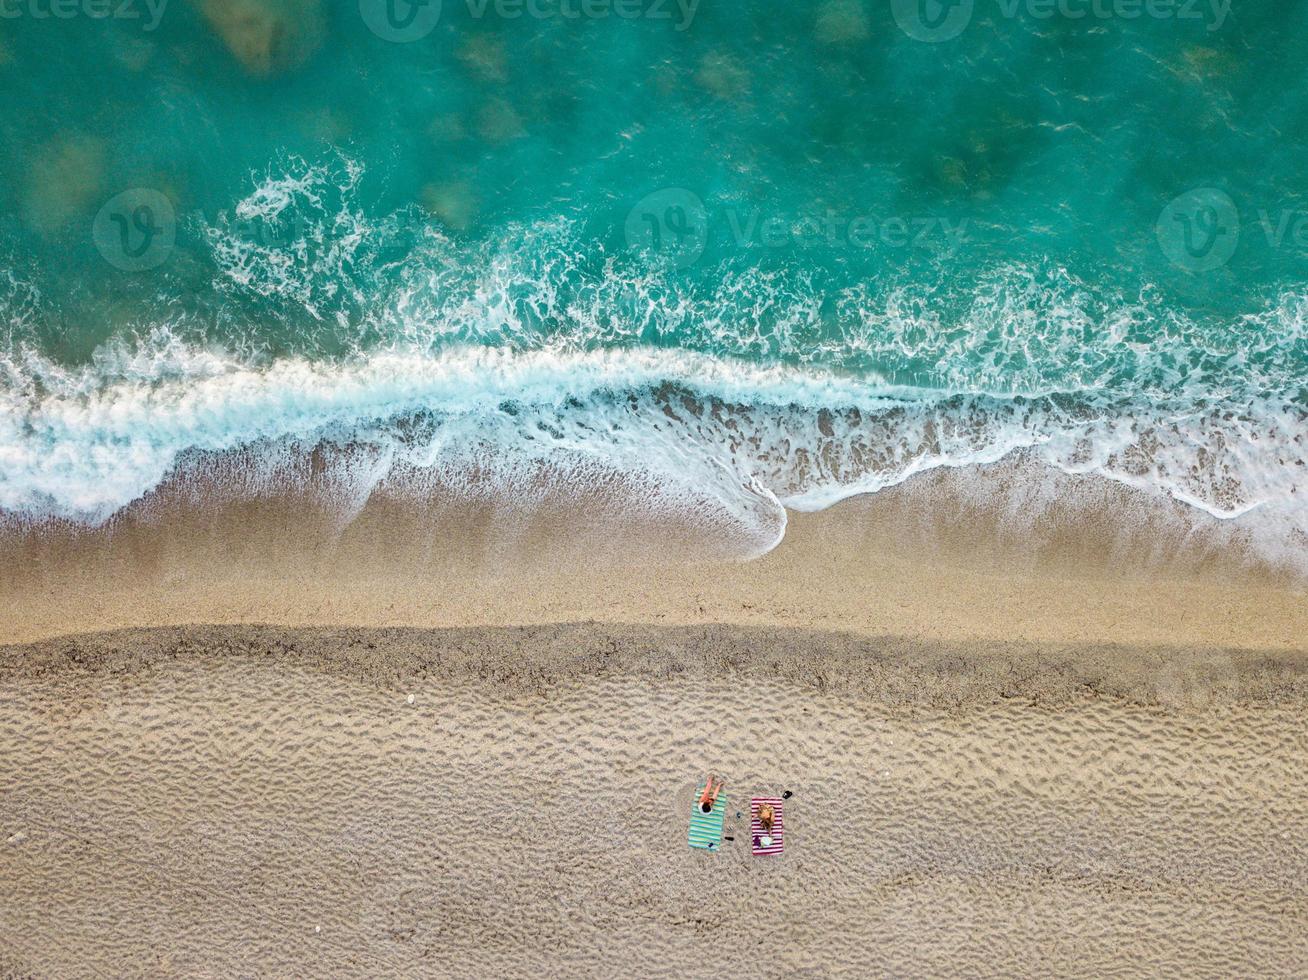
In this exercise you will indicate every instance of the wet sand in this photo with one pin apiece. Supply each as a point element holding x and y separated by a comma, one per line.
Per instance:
<point>956,556</point>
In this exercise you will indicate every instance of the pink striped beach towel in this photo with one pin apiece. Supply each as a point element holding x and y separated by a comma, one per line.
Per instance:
<point>756,831</point>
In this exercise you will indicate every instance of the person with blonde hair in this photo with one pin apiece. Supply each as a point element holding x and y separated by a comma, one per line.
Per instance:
<point>767,824</point>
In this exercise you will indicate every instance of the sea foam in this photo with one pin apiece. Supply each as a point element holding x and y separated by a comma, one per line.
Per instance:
<point>717,439</point>
<point>723,398</point>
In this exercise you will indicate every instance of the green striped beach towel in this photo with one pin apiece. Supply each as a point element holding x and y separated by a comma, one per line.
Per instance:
<point>706,828</point>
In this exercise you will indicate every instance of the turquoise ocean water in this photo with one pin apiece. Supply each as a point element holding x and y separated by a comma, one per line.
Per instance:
<point>731,256</point>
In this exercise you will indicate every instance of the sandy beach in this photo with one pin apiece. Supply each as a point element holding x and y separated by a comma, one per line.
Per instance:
<point>508,802</point>
<point>1005,554</point>
<point>1014,747</point>
<point>436,437</point>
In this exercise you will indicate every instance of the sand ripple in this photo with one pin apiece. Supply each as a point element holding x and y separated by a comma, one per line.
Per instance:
<point>224,802</point>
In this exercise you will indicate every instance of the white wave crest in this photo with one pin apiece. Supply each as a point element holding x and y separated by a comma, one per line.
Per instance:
<point>717,439</point>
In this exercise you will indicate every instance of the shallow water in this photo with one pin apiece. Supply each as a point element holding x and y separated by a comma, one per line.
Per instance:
<point>739,255</point>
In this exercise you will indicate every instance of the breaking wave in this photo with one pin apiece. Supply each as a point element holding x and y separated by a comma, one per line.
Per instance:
<point>723,398</point>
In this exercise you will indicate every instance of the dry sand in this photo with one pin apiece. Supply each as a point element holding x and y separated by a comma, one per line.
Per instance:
<point>513,802</point>
<point>1020,743</point>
